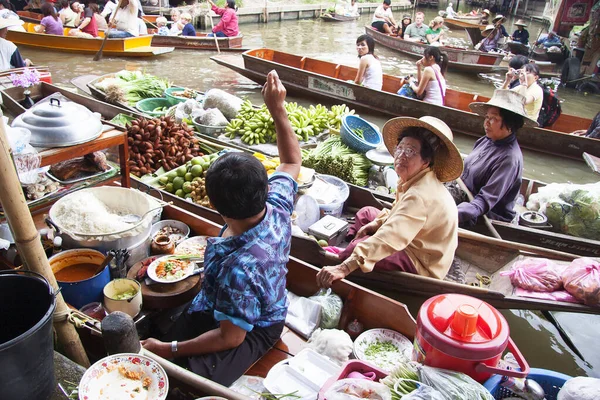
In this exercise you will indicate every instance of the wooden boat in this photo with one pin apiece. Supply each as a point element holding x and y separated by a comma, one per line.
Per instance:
<point>469,18</point>
<point>456,23</point>
<point>459,59</point>
<point>321,79</point>
<point>200,42</point>
<point>542,54</point>
<point>518,48</point>
<point>128,47</point>
<point>333,17</point>
<point>43,71</point>
<point>30,16</point>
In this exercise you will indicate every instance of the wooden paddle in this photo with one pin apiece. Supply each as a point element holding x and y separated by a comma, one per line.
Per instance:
<point>592,162</point>
<point>486,220</point>
<point>212,27</point>
<point>98,55</point>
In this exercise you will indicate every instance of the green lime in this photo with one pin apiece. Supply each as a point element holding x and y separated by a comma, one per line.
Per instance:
<point>196,160</point>
<point>322,243</point>
<point>169,187</point>
<point>189,176</point>
<point>172,174</point>
<point>178,183</point>
<point>163,180</point>
<point>181,170</point>
<point>187,187</point>
<point>188,195</point>
<point>205,166</point>
<point>180,193</point>
<point>196,170</point>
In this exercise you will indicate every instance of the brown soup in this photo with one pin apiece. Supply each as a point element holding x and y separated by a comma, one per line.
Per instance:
<point>77,272</point>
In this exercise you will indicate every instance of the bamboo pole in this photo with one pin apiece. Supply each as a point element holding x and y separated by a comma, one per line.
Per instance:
<point>27,239</point>
<point>486,220</point>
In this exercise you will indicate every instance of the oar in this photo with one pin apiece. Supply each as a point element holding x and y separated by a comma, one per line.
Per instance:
<point>148,22</point>
<point>212,27</point>
<point>98,55</point>
<point>486,220</point>
<point>592,162</point>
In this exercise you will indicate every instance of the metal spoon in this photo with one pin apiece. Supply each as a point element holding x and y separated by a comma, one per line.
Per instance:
<point>135,218</point>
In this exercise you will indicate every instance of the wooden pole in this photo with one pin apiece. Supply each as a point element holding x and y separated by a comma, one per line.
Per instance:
<point>486,220</point>
<point>211,28</point>
<point>29,245</point>
<point>98,55</point>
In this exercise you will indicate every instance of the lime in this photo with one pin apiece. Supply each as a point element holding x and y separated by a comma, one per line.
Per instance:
<point>181,170</point>
<point>205,166</point>
<point>187,187</point>
<point>322,243</point>
<point>189,176</point>
<point>188,195</point>
<point>178,183</point>
<point>197,170</point>
<point>163,180</point>
<point>169,187</point>
<point>172,175</point>
<point>180,193</point>
<point>196,160</point>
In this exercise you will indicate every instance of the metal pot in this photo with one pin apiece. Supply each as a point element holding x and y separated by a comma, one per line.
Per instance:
<point>59,123</point>
<point>534,219</point>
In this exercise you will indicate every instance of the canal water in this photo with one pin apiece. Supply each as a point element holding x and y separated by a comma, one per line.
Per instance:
<point>537,338</point>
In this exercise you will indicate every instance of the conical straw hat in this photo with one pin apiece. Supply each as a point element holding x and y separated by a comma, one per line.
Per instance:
<point>508,100</point>
<point>520,23</point>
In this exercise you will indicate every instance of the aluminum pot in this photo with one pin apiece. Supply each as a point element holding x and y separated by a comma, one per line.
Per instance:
<point>132,305</point>
<point>128,201</point>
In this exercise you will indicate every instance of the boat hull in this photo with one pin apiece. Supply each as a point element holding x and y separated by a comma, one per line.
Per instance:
<point>337,18</point>
<point>462,24</point>
<point>199,42</point>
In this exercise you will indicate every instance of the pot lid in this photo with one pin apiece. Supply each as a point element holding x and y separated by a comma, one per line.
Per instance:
<point>59,122</point>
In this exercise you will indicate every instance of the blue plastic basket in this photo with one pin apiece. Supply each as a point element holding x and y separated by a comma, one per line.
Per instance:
<point>372,137</point>
<point>550,381</point>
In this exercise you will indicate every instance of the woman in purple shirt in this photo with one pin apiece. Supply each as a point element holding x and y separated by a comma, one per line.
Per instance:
<point>494,169</point>
<point>50,24</point>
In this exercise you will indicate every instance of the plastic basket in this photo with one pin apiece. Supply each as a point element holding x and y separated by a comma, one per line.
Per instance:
<point>174,100</point>
<point>335,209</point>
<point>372,137</point>
<point>550,381</point>
<point>147,106</point>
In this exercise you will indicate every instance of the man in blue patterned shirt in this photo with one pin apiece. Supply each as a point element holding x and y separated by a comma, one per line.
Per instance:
<point>240,311</point>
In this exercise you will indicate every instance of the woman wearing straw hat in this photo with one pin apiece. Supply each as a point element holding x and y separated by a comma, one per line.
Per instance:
<point>485,17</point>
<point>419,234</point>
<point>521,35</point>
<point>491,36</point>
<point>497,22</point>
<point>494,169</point>
<point>9,53</point>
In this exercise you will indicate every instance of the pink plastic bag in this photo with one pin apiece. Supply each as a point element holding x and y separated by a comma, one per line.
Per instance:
<point>582,280</point>
<point>536,274</point>
<point>559,295</point>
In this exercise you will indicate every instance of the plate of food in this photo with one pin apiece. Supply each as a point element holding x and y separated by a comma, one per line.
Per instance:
<point>383,347</point>
<point>120,376</point>
<point>194,246</point>
<point>171,269</point>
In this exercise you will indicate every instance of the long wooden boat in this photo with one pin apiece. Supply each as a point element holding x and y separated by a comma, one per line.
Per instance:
<point>30,16</point>
<point>128,47</point>
<point>333,17</point>
<point>518,48</point>
<point>199,42</point>
<point>321,79</point>
<point>456,23</point>
<point>43,71</point>
<point>458,59</point>
<point>469,18</point>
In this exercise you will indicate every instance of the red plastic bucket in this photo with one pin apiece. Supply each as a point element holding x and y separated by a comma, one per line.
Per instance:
<point>464,334</point>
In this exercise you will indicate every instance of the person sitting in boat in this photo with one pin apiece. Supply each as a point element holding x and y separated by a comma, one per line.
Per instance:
<point>50,23</point>
<point>430,80</point>
<point>485,17</point>
<point>100,21</point>
<point>125,23</point>
<point>9,53</point>
<point>512,76</point>
<point>491,36</point>
<point>33,5</point>
<point>549,40</point>
<point>406,21</point>
<point>88,28</point>
<point>240,311</point>
<point>528,87</point>
<point>474,12</point>
<point>161,23</point>
<point>351,9</point>
<point>176,26</point>
<point>494,169</point>
<point>6,10</point>
<point>108,9</point>
<point>521,35</point>
<point>188,28</point>
<point>383,20</point>
<point>450,13</point>
<point>497,22</point>
<point>435,34</point>
<point>228,26</point>
<point>417,31</point>
<point>370,73</point>
<point>593,131</point>
<point>420,233</point>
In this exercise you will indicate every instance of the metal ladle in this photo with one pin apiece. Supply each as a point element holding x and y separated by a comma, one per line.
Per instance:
<point>135,218</point>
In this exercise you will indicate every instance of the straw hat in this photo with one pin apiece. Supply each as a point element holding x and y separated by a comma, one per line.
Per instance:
<point>508,100</point>
<point>498,18</point>
<point>486,11</point>
<point>520,23</point>
<point>447,164</point>
<point>7,23</point>
<point>488,28</point>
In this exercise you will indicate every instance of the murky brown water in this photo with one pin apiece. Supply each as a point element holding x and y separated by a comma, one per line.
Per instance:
<point>536,337</point>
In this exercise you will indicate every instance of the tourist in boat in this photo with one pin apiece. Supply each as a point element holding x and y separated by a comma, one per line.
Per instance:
<point>370,73</point>
<point>161,24</point>
<point>521,35</point>
<point>420,233</point>
<point>528,87</point>
<point>351,9</point>
<point>50,23</point>
<point>176,26</point>
<point>240,311</point>
<point>66,14</point>
<point>125,23</point>
<point>188,28</point>
<point>514,66</point>
<point>491,37</point>
<point>108,9</point>
<point>485,17</point>
<point>494,169</point>
<point>417,31</point>
<point>89,26</point>
<point>593,131</point>
<point>450,13</point>
<point>435,33</point>
<point>406,21</point>
<point>6,10</point>
<point>9,53</point>
<point>228,26</point>
<point>498,21</point>
<point>430,80</point>
<point>383,20</point>
<point>100,21</point>
<point>549,40</point>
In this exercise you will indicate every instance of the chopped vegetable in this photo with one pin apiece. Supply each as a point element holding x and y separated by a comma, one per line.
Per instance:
<point>126,295</point>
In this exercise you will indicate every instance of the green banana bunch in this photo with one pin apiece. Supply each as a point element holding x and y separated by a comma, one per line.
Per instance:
<point>336,114</point>
<point>234,127</point>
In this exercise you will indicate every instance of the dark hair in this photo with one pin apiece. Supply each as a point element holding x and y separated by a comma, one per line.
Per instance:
<point>48,9</point>
<point>370,43</point>
<point>440,58</point>
<point>532,68</point>
<point>7,4</point>
<point>518,61</point>
<point>231,4</point>
<point>94,7</point>
<point>513,122</point>
<point>429,141</point>
<point>236,184</point>
<point>65,3</point>
<point>387,2</point>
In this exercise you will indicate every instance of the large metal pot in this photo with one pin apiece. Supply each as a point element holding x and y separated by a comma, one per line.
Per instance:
<point>126,201</point>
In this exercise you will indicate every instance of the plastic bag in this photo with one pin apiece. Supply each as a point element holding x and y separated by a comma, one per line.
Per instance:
<point>303,314</point>
<point>454,385</point>
<point>580,388</point>
<point>559,295</point>
<point>424,392</point>
<point>582,280</point>
<point>187,110</point>
<point>332,308</point>
<point>349,389</point>
<point>332,343</point>
<point>536,274</point>
<point>228,104</point>
<point>212,117</point>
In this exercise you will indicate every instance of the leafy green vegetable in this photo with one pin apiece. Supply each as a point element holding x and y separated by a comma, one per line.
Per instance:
<point>122,119</point>
<point>133,86</point>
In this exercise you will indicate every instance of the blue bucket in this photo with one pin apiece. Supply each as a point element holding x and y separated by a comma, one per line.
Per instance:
<point>550,381</point>
<point>86,290</point>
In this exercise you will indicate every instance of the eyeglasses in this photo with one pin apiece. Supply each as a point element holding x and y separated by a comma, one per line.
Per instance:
<point>407,152</point>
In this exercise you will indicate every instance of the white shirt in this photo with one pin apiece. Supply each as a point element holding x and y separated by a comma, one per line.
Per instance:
<point>381,14</point>
<point>373,77</point>
<point>432,90</point>
<point>7,49</point>
<point>351,10</point>
<point>450,12</point>
<point>109,7</point>
<point>126,19</point>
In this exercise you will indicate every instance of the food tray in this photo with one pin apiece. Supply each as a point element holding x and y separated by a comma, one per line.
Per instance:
<point>81,178</point>
<point>386,360</point>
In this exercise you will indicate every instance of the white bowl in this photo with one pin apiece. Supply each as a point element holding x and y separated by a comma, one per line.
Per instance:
<point>131,306</point>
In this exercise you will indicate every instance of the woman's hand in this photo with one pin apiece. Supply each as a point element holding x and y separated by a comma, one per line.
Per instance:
<point>369,228</point>
<point>159,348</point>
<point>420,63</point>
<point>580,132</point>
<point>328,275</point>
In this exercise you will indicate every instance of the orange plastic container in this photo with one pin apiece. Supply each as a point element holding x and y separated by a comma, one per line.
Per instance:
<point>464,334</point>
